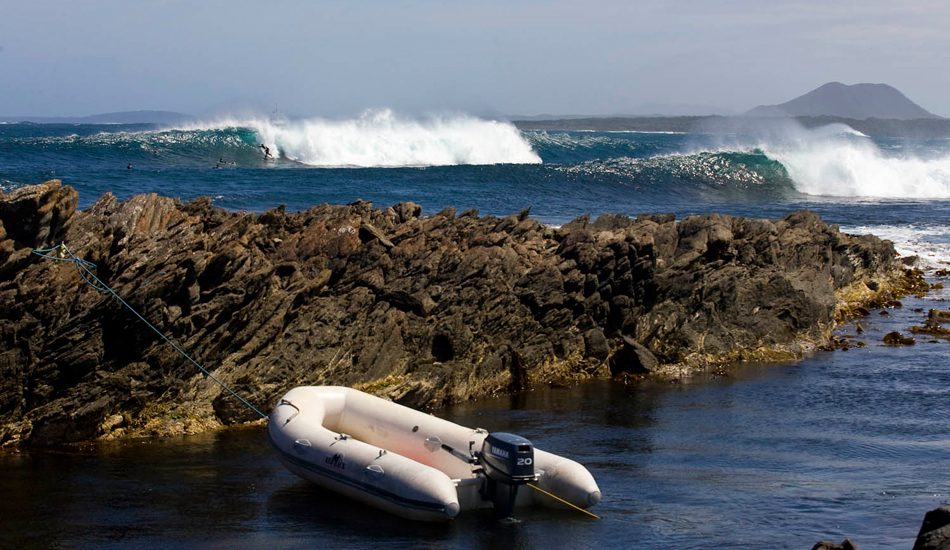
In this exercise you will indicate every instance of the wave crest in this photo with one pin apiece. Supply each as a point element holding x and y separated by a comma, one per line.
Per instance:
<point>837,161</point>
<point>750,173</point>
<point>930,242</point>
<point>861,169</point>
<point>383,139</point>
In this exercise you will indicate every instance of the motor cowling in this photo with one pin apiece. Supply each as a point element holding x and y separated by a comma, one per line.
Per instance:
<point>508,462</point>
<point>508,458</point>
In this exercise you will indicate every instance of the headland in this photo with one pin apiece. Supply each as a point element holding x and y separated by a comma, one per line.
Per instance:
<point>425,311</point>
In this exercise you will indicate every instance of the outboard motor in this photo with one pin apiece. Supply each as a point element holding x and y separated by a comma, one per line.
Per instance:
<point>508,463</point>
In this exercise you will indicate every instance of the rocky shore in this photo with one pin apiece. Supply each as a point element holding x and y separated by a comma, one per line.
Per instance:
<point>934,534</point>
<point>422,310</point>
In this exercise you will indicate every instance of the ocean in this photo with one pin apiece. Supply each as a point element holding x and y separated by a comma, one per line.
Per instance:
<point>852,443</point>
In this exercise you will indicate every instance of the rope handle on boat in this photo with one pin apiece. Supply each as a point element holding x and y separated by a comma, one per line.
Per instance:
<point>291,417</point>
<point>85,267</point>
<point>561,500</point>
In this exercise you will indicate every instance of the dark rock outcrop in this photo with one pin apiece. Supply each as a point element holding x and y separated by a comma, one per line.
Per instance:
<point>846,544</point>
<point>424,311</point>
<point>934,534</point>
<point>897,339</point>
<point>33,217</point>
<point>633,357</point>
<point>934,531</point>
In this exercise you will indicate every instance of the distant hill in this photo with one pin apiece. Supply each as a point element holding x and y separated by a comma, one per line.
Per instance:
<point>125,117</point>
<point>858,101</point>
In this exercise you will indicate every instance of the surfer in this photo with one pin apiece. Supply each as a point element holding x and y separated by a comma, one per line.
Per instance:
<point>266,149</point>
<point>129,167</point>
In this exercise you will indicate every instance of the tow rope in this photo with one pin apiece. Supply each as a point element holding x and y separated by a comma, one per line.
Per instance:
<point>85,267</point>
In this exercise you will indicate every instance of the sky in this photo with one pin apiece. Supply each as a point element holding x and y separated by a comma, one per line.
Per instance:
<point>497,57</point>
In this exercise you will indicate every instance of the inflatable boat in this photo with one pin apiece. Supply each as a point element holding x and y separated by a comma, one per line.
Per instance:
<point>413,464</point>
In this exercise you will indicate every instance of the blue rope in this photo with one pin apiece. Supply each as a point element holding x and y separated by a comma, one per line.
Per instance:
<point>85,268</point>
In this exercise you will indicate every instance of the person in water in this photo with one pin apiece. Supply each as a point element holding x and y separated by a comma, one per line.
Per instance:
<point>129,167</point>
<point>266,149</point>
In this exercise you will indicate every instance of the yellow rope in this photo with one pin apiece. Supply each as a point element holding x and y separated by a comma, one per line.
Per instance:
<point>559,499</point>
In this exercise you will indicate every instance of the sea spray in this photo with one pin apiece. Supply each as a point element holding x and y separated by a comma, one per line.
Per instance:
<point>383,139</point>
<point>858,168</point>
<point>928,241</point>
<point>834,160</point>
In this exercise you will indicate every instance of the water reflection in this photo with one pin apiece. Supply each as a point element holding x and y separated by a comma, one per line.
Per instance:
<point>301,507</point>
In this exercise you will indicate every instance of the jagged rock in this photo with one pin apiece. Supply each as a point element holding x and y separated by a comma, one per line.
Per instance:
<point>708,236</point>
<point>934,330</point>
<point>934,532</point>
<point>427,311</point>
<point>846,544</point>
<point>935,316</point>
<point>580,222</point>
<point>633,358</point>
<point>33,217</point>
<point>369,233</point>
<point>36,216</point>
<point>657,218</point>
<point>897,339</point>
<point>595,345</point>
<point>402,300</point>
<point>611,222</point>
<point>407,211</point>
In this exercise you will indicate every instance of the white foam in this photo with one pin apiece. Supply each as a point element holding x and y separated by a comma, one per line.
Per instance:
<point>837,161</point>
<point>383,139</point>
<point>858,168</point>
<point>931,243</point>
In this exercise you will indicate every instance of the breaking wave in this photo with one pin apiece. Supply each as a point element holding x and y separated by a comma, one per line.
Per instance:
<point>774,160</point>
<point>861,169</point>
<point>383,139</point>
<point>837,161</point>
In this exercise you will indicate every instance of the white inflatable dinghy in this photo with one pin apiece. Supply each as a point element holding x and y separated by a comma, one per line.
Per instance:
<point>413,464</point>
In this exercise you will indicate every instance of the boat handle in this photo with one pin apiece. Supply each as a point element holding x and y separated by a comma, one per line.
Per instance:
<point>285,402</point>
<point>433,444</point>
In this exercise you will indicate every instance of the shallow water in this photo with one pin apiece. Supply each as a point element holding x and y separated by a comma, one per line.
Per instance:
<point>844,444</point>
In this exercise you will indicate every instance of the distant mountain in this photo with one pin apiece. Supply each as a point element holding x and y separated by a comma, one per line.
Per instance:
<point>125,117</point>
<point>858,101</point>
